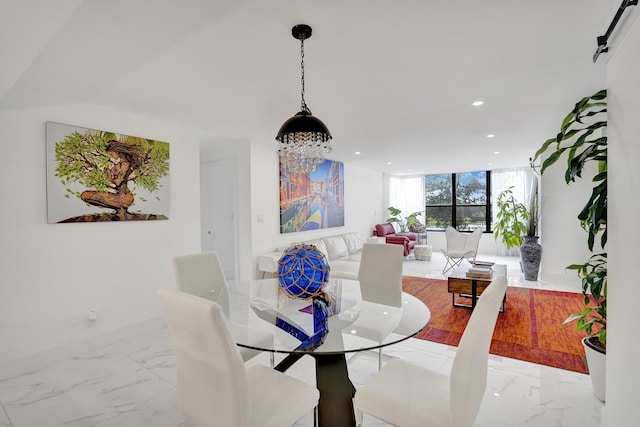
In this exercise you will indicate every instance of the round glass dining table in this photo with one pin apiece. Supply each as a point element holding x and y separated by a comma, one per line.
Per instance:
<point>262,317</point>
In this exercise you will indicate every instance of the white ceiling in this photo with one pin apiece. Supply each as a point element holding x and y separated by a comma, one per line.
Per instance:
<point>392,79</point>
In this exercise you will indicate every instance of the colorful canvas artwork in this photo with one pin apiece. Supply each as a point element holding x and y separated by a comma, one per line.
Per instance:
<point>313,200</point>
<point>100,176</point>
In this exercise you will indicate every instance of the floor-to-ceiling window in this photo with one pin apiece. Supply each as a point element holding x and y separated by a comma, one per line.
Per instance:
<point>464,200</point>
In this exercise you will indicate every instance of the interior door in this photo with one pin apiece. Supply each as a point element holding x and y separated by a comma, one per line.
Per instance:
<point>218,212</point>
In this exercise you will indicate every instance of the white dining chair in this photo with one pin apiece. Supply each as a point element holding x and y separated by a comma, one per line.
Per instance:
<point>404,394</point>
<point>380,277</point>
<point>460,246</point>
<point>201,274</point>
<point>214,386</point>
<point>380,273</point>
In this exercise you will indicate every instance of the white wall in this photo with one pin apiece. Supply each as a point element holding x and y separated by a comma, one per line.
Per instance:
<point>563,241</point>
<point>51,275</point>
<point>623,347</point>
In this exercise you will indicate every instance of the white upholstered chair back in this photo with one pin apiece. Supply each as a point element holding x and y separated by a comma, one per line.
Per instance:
<point>215,388</point>
<point>469,370</point>
<point>405,394</point>
<point>380,273</point>
<point>212,382</point>
<point>199,274</point>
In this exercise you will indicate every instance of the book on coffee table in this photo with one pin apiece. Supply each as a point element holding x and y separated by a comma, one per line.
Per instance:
<point>479,271</point>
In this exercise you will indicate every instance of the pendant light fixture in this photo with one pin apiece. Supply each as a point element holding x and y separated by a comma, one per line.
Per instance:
<point>303,138</point>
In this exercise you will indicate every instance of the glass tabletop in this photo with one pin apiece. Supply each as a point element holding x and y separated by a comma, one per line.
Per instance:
<point>261,316</point>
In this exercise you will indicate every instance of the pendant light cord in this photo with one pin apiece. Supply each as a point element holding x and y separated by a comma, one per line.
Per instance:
<point>303,105</point>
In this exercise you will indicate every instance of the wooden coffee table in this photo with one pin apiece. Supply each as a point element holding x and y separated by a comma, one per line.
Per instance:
<point>472,287</point>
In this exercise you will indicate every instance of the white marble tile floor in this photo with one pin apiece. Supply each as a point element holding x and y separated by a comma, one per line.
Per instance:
<point>127,378</point>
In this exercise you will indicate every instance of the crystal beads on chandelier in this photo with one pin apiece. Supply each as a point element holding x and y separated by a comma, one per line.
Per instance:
<point>301,142</point>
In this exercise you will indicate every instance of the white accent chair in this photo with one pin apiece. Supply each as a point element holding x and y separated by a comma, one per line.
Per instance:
<point>215,388</point>
<point>202,275</point>
<point>380,277</point>
<point>403,394</point>
<point>460,246</point>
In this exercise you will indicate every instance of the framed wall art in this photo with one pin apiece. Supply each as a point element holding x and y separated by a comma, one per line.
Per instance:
<point>312,200</point>
<point>98,176</point>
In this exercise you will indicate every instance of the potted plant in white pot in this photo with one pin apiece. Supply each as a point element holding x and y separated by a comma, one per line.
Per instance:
<point>580,137</point>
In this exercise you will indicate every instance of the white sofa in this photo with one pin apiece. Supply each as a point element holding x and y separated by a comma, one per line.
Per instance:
<point>343,253</point>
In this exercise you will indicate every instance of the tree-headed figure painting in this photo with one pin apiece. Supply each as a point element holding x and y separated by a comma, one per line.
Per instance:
<point>98,176</point>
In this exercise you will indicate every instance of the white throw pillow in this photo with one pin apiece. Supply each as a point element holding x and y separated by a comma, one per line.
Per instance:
<point>396,226</point>
<point>319,244</point>
<point>336,247</point>
<point>353,242</point>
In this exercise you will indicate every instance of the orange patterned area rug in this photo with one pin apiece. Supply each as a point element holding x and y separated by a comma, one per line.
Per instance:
<point>529,329</point>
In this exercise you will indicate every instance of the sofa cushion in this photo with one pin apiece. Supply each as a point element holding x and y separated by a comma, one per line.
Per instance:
<point>353,257</point>
<point>336,247</point>
<point>353,241</point>
<point>320,245</point>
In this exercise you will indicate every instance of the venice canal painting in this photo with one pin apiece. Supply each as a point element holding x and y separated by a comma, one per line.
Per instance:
<point>313,200</point>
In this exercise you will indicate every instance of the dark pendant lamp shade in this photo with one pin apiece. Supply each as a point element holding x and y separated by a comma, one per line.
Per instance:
<point>303,126</point>
<point>303,138</point>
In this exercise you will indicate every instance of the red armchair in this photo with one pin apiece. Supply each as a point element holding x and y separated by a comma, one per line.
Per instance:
<point>407,240</point>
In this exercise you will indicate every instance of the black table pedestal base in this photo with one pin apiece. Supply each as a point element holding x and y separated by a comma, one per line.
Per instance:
<point>336,390</point>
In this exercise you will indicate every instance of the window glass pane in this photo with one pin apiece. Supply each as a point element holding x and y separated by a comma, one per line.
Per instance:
<point>468,218</point>
<point>438,217</point>
<point>438,190</point>
<point>471,188</point>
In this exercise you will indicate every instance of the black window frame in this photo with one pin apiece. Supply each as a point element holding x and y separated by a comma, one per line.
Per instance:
<point>455,205</point>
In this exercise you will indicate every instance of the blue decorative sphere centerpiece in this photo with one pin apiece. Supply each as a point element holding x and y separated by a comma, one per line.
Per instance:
<point>303,271</point>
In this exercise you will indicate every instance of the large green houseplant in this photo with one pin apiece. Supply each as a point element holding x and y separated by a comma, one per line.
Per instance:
<point>511,219</point>
<point>403,222</point>
<point>582,140</point>
<point>516,226</point>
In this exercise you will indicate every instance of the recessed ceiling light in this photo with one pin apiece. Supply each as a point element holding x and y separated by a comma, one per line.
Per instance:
<point>357,152</point>
<point>490,135</point>
<point>490,164</point>
<point>389,163</point>
<point>477,103</point>
<point>496,152</point>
